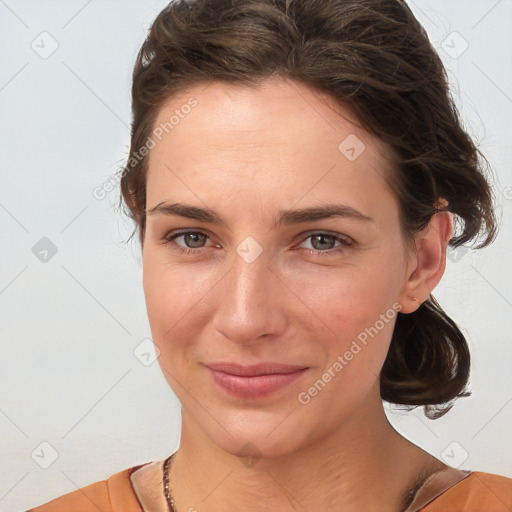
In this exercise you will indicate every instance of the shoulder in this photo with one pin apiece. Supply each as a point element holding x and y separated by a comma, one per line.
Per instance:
<point>476,493</point>
<point>114,494</point>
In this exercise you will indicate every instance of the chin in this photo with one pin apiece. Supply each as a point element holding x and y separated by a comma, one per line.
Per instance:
<point>265,440</point>
<point>251,450</point>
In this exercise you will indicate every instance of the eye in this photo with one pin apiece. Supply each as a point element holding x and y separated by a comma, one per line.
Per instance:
<point>193,240</point>
<point>325,243</point>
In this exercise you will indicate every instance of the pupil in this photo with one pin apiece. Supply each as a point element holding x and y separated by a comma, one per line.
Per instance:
<point>197,238</point>
<point>322,238</point>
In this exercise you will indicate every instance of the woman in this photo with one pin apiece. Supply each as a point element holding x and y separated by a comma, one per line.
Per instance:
<point>296,173</point>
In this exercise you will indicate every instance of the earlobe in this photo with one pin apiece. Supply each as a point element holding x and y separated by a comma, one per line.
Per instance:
<point>429,261</point>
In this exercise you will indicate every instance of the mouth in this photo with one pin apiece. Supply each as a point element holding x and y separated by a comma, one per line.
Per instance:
<point>268,368</point>
<point>253,381</point>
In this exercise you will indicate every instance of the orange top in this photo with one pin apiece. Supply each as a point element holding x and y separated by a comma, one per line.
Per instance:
<point>478,492</point>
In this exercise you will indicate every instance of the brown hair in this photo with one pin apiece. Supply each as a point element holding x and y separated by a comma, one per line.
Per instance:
<point>375,58</point>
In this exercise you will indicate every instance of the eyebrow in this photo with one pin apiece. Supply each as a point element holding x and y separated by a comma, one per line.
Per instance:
<point>283,217</point>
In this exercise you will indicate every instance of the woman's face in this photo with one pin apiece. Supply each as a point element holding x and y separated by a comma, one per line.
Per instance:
<point>264,275</point>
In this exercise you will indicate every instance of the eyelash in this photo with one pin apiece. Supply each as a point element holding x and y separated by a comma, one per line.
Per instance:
<point>345,242</point>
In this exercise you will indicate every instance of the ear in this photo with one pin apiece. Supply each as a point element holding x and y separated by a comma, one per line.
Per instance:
<point>427,263</point>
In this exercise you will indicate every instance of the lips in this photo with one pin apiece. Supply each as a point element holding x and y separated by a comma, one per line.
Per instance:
<point>253,381</point>
<point>269,368</point>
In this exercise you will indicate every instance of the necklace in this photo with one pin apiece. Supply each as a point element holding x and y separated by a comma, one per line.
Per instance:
<point>167,490</point>
<point>423,481</point>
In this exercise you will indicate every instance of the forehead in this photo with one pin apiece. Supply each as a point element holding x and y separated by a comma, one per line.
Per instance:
<point>282,138</point>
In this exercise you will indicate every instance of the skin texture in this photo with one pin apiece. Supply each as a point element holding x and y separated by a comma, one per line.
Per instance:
<point>247,153</point>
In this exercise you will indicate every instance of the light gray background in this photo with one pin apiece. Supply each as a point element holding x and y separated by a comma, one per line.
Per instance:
<point>70,324</point>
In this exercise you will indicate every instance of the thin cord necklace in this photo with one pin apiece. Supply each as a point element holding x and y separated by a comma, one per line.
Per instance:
<point>171,505</point>
<point>167,490</point>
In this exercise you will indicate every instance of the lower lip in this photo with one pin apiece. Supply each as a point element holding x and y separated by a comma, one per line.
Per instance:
<point>256,386</point>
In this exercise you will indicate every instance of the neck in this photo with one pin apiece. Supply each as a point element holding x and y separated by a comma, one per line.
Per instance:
<point>363,465</point>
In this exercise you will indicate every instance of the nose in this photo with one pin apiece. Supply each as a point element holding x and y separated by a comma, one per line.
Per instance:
<point>249,302</point>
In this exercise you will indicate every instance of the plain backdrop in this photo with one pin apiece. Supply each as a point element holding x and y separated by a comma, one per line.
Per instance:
<point>79,400</point>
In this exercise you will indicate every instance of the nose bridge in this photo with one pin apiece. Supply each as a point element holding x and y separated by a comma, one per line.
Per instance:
<point>247,309</point>
<point>249,280</point>
<point>249,285</point>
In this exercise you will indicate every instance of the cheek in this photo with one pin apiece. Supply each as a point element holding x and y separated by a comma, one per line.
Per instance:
<point>360,315</point>
<point>347,299</point>
<point>171,297</point>
<point>180,304</point>
<point>357,308</point>
<point>172,309</point>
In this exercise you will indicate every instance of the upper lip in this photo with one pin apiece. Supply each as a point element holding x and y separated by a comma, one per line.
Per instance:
<point>266,368</point>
